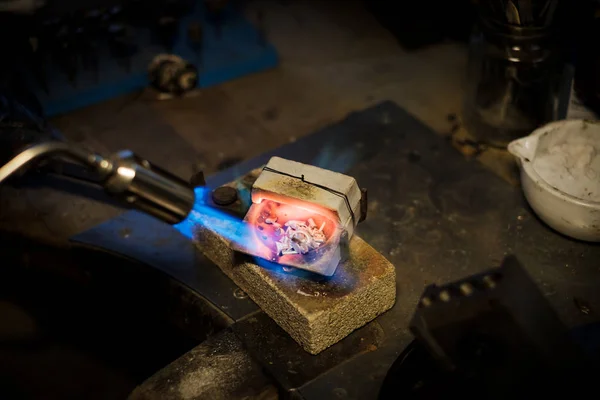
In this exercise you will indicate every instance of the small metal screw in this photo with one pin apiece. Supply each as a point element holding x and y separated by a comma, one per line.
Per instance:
<point>466,289</point>
<point>489,282</point>
<point>426,302</point>
<point>239,294</point>
<point>445,295</point>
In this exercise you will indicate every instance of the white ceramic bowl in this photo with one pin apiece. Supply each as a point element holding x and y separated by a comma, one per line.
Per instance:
<point>560,176</point>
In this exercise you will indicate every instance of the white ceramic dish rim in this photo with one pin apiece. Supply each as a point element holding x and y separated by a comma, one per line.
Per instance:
<point>528,168</point>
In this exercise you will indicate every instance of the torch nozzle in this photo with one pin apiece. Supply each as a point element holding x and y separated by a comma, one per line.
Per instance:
<point>149,188</point>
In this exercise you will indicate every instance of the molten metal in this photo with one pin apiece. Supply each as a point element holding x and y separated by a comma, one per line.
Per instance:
<point>290,234</point>
<point>298,237</point>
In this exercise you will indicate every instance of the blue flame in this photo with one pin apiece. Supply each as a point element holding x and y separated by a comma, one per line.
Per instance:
<point>186,227</point>
<point>203,215</point>
<point>237,231</point>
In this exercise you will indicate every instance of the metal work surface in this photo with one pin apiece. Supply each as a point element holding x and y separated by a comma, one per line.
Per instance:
<point>436,216</point>
<point>143,238</point>
<point>219,368</point>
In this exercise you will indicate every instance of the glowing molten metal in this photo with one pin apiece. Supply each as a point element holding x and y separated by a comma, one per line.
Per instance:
<point>292,234</point>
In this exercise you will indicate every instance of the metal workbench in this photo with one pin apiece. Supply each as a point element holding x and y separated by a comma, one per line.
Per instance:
<point>435,215</point>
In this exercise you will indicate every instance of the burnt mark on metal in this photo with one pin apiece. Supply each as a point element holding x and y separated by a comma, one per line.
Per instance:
<point>299,186</point>
<point>317,287</point>
<point>307,287</point>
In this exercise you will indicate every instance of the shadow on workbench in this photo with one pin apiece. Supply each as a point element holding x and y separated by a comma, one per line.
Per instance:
<point>80,323</point>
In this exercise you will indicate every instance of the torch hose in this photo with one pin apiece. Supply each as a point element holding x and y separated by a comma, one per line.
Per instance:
<point>42,150</point>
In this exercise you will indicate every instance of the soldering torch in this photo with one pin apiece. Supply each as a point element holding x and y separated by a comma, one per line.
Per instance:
<point>131,179</point>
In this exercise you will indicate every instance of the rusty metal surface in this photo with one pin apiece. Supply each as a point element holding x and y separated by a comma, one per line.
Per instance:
<point>437,217</point>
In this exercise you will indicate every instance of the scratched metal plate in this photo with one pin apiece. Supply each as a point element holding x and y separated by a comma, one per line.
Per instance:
<point>437,217</point>
<point>162,247</point>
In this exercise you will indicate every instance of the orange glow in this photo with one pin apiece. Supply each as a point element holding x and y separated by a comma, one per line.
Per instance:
<point>299,204</point>
<point>265,235</point>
